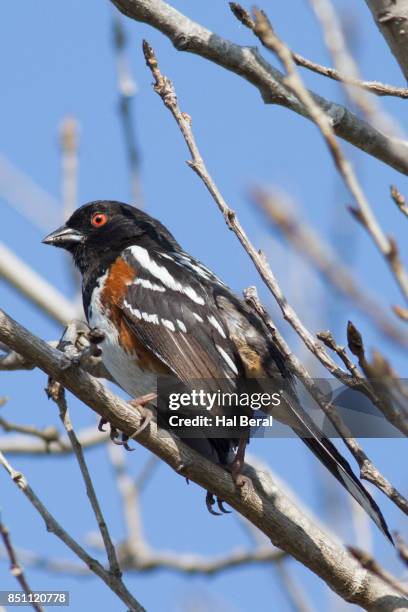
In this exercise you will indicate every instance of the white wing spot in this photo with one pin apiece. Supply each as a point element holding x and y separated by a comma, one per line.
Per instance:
<point>150,318</point>
<point>181,326</point>
<point>134,311</point>
<point>163,274</point>
<point>198,267</point>
<point>198,318</point>
<point>168,324</point>
<point>227,359</point>
<point>193,295</point>
<point>217,326</point>
<point>144,282</point>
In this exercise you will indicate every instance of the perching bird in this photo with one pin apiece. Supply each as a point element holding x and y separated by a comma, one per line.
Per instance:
<point>164,313</point>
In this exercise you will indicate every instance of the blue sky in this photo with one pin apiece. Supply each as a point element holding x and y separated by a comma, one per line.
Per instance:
<point>56,60</point>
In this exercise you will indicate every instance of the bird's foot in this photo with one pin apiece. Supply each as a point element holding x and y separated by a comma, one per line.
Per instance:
<point>80,346</point>
<point>120,438</point>
<point>211,500</point>
<point>117,437</point>
<point>241,481</point>
<point>146,413</point>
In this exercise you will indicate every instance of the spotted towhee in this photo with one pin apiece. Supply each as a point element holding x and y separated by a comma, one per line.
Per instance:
<point>164,313</point>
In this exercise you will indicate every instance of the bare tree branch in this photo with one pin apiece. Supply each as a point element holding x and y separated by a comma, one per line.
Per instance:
<point>113,581</point>
<point>373,566</point>
<point>374,87</point>
<point>307,242</point>
<point>57,393</point>
<point>391,17</point>
<point>327,338</point>
<point>293,591</point>
<point>265,506</point>
<point>135,545</point>
<point>382,378</point>
<point>15,566</point>
<point>182,563</point>
<point>69,140</point>
<point>19,445</point>
<point>344,75</point>
<point>399,200</point>
<point>127,89</point>
<point>402,548</point>
<point>190,36</point>
<point>344,62</point>
<point>47,435</point>
<point>387,247</point>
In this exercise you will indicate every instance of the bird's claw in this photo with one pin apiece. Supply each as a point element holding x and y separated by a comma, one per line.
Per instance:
<point>114,434</point>
<point>211,500</point>
<point>80,348</point>
<point>101,424</point>
<point>126,446</point>
<point>220,505</point>
<point>140,403</point>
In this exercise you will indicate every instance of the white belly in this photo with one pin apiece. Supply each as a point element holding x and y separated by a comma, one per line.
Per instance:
<point>122,367</point>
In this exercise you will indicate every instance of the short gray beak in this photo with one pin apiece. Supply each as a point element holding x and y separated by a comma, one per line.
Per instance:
<point>63,237</point>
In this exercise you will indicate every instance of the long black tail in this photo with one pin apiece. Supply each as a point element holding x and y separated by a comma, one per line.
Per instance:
<point>330,457</point>
<point>340,468</point>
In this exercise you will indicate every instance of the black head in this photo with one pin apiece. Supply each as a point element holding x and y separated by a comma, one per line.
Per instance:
<point>103,229</point>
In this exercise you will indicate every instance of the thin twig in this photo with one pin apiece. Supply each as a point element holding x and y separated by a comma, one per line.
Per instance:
<point>401,312</point>
<point>373,566</point>
<point>57,393</point>
<point>382,379</point>
<point>111,580</point>
<point>292,589</point>
<point>400,200</point>
<point>135,544</point>
<point>344,62</point>
<point>69,142</point>
<point>69,139</point>
<point>374,87</point>
<point>402,548</point>
<point>47,434</point>
<point>20,445</point>
<point>320,254</point>
<point>182,563</point>
<point>146,472</point>
<point>15,567</point>
<point>391,18</point>
<point>387,246</point>
<point>127,90</point>
<point>327,338</point>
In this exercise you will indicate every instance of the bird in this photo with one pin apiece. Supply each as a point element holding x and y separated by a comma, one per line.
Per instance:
<point>165,314</point>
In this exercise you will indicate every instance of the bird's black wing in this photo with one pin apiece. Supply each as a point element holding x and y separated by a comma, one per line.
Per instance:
<point>171,311</point>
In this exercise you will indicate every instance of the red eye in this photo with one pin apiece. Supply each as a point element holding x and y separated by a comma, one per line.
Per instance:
<point>99,219</point>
